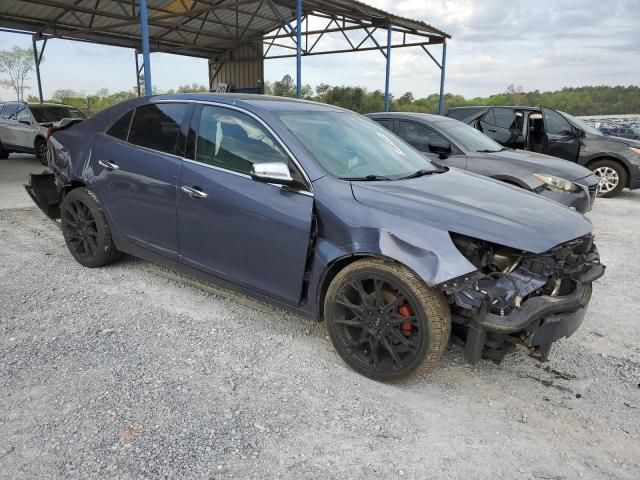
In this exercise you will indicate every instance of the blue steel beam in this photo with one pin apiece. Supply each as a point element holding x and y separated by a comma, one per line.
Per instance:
<point>388,73</point>
<point>299,49</point>
<point>442,72</point>
<point>144,32</point>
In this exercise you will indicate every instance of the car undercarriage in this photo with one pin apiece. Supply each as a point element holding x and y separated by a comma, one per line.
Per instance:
<point>520,298</point>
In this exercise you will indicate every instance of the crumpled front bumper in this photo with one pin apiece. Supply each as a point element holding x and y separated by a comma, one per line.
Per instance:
<point>539,321</point>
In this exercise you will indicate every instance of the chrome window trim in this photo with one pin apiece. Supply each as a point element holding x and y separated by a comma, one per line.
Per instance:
<point>260,121</point>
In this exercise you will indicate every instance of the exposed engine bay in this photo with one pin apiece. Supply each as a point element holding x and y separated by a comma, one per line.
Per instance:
<point>496,303</point>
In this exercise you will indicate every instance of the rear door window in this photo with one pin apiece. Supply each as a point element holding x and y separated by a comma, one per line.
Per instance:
<point>120,129</point>
<point>386,123</point>
<point>419,136</point>
<point>23,114</point>
<point>158,126</point>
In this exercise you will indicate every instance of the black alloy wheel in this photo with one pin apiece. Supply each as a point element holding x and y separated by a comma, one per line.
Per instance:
<point>384,321</point>
<point>85,229</point>
<point>42,151</point>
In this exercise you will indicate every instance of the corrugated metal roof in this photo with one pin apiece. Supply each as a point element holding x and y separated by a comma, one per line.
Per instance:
<point>201,28</point>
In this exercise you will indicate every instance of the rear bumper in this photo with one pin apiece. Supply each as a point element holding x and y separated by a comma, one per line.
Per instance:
<point>45,194</point>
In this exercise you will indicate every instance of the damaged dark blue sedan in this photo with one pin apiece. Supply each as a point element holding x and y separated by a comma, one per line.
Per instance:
<point>326,213</point>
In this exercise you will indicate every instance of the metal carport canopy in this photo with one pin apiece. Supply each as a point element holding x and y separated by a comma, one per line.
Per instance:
<point>210,28</point>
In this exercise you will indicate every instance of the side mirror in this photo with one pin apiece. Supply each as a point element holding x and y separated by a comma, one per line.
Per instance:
<point>272,172</point>
<point>442,149</point>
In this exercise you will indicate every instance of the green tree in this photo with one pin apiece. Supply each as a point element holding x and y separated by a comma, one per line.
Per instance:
<point>17,64</point>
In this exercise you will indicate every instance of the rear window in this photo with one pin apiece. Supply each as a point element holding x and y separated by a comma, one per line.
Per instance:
<point>54,113</point>
<point>157,126</point>
<point>388,124</point>
<point>120,129</point>
<point>463,113</point>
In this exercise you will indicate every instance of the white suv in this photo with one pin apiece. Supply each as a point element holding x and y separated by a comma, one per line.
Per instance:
<point>23,126</point>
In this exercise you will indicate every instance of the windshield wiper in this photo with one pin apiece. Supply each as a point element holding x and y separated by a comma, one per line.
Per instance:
<point>369,178</point>
<point>421,173</point>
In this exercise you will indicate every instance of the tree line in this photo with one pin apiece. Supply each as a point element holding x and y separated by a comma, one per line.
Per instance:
<point>16,66</point>
<point>601,100</point>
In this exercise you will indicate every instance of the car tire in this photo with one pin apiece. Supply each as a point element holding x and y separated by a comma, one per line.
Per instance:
<point>612,175</point>
<point>4,154</point>
<point>86,231</point>
<point>384,321</point>
<point>42,151</point>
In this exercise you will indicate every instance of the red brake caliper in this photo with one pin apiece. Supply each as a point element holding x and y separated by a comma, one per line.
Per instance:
<point>405,311</point>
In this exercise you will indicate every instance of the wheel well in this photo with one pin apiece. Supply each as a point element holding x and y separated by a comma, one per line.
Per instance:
<point>332,270</point>
<point>611,159</point>
<point>70,186</point>
<point>38,137</point>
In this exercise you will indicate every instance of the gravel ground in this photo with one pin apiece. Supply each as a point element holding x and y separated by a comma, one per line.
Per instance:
<point>134,371</point>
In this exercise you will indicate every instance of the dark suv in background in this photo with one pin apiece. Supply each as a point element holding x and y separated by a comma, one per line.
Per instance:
<point>616,161</point>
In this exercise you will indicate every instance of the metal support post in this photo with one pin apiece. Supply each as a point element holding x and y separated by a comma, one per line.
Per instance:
<point>38,58</point>
<point>442,75</point>
<point>144,32</point>
<point>137,73</point>
<point>299,49</point>
<point>388,73</point>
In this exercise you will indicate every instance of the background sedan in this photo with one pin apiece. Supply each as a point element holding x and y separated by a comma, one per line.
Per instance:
<point>456,144</point>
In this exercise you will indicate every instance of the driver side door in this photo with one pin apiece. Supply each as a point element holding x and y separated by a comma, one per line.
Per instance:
<point>252,234</point>
<point>561,140</point>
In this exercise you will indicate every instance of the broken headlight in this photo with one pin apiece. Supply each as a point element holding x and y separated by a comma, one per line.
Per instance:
<point>557,184</point>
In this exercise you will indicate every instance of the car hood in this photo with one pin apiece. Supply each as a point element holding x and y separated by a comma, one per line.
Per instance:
<point>478,207</point>
<point>539,163</point>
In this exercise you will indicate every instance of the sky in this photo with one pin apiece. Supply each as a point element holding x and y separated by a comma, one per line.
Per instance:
<point>539,45</point>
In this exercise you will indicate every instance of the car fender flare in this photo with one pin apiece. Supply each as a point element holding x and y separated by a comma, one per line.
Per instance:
<point>431,267</point>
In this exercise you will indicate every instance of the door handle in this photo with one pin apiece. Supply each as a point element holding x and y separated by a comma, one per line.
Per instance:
<point>194,192</point>
<point>108,165</point>
<point>491,130</point>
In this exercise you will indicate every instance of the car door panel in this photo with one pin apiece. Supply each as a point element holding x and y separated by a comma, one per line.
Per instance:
<point>250,233</point>
<point>561,141</point>
<point>7,131</point>
<point>137,178</point>
<point>138,186</point>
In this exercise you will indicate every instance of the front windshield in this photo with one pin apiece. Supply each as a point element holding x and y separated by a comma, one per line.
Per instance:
<point>581,124</point>
<point>468,138</point>
<point>351,146</point>
<point>54,113</point>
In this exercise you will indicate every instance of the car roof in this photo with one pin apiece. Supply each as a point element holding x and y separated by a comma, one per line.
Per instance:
<point>515,107</point>
<point>48,104</point>
<point>427,117</point>
<point>265,102</point>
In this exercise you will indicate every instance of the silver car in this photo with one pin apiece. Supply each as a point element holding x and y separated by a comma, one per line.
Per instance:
<point>23,126</point>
